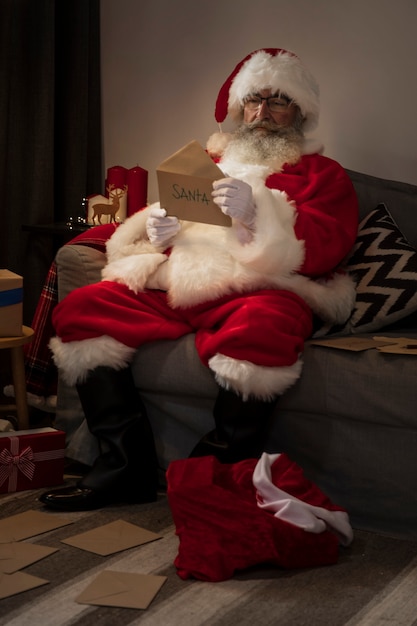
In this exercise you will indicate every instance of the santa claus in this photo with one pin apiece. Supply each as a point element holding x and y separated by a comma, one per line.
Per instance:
<point>248,291</point>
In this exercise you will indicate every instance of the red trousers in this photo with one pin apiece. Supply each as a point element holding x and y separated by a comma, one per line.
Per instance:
<point>266,327</point>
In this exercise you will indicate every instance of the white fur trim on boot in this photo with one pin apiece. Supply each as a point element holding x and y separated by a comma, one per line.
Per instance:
<point>76,358</point>
<point>248,379</point>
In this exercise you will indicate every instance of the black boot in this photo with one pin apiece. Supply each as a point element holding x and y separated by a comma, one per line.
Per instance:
<point>126,469</point>
<point>241,428</point>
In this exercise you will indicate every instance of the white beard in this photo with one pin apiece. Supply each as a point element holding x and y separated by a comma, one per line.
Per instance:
<point>280,145</point>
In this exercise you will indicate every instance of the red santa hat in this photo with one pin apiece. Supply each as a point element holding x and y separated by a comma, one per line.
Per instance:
<point>275,69</point>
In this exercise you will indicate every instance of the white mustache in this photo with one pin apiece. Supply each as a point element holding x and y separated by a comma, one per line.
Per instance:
<point>267,124</point>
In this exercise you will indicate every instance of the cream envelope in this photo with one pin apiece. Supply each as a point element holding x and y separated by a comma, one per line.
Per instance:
<point>110,538</point>
<point>398,345</point>
<point>133,591</point>
<point>29,524</point>
<point>15,556</point>
<point>185,185</point>
<point>11,584</point>
<point>354,344</point>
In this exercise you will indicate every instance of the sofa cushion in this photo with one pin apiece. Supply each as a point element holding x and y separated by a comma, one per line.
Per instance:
<point>384,265</point>
<point>401,198</point>
<point>78,265</point>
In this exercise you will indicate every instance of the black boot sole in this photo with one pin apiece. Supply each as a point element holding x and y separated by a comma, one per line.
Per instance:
<point>84,499</point>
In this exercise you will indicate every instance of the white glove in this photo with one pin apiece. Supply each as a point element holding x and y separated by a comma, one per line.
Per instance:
<point>161,228</point>
<point>235,199</point>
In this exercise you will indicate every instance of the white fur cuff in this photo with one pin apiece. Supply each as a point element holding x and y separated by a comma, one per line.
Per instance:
<point>76,358</point>
<point>249,379</point>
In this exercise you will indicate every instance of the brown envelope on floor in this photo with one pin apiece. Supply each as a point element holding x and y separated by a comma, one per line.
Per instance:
<point>17,555</point>
<point>11,584</point>
<point>110,538</point>
<point>29,524</point>
<point>110,588</point>
<point>185,185</point>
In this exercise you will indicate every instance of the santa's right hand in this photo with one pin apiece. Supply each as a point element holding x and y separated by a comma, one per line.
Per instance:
<point>161,228</point>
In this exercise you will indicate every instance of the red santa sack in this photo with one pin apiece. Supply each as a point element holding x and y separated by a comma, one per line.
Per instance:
<point>230,517</point>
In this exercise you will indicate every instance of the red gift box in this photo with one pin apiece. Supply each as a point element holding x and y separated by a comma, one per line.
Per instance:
<point>30,459</point>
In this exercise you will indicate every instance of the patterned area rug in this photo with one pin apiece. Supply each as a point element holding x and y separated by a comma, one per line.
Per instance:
<point>374,581</point>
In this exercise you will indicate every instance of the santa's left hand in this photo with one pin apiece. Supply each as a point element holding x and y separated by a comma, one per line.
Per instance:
<point>234,197</point>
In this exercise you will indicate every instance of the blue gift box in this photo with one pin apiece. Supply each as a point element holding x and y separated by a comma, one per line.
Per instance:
<point>11,304</point>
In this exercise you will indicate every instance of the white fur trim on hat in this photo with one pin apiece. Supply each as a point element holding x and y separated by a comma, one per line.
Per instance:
<point>275,69</point>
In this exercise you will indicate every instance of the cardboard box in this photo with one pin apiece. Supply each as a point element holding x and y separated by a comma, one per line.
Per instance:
<point>11,304</point>
<point>30,459</point>
<point>185,184</point>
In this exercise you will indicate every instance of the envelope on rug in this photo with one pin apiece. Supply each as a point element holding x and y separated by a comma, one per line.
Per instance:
<point>17,555</point>
<point>122,589</point>
<point>110,538</point>
<point>11,584</point>
<point>29,524</point>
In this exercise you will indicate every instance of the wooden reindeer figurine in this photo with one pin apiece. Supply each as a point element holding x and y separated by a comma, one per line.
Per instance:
<point>112,207</point>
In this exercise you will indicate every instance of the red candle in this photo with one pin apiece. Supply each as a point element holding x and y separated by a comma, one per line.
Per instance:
<point>137,189</point>
<point>116,176</point>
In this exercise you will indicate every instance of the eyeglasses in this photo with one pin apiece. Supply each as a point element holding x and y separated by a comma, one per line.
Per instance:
<point>275,104</point>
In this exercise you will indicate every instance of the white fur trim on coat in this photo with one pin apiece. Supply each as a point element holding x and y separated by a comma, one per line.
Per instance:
<point>130,237</point>
<point>248,379</point>
<point>76,358</point>
<point>134,270</point>
<point>275,251</point>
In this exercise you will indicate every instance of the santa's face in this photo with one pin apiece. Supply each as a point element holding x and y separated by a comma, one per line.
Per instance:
<point>254,111</point>
<point>270,132</point>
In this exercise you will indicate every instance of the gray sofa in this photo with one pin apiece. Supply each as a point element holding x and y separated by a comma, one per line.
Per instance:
<point>350,421</point>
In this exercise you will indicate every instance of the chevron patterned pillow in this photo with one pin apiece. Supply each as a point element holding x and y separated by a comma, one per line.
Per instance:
<point>384,266</point>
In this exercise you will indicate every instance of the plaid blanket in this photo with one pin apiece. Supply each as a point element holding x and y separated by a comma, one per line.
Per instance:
<point>41,373</point>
